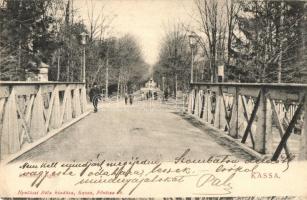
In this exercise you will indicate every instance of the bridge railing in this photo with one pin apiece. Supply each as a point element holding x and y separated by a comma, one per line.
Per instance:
<point>31,110</point>
<point>268,118</point>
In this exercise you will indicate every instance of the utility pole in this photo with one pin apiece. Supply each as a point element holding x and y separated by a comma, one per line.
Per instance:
<point>19,42</point>
<point>163,83</point>
<point>176,89</point>
<point>192,65</point>
<point>281,42</point>
<point>58,72</point>
<point>107,73</point>
<point>83,64</point>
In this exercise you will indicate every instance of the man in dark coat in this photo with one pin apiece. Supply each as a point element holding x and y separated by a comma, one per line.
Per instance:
<point>95,96</point>
<point>131,98</point>
<point>126,98</point>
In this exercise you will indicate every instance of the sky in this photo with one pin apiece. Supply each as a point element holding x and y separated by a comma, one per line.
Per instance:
<point>147,20</point>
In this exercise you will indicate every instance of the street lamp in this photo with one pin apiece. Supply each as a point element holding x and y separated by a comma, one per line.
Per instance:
<point>83,43</point>
<point>193,43</point>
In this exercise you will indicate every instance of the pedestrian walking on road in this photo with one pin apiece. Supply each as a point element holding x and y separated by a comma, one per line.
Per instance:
<point>166,94</point>
<point>126,98</point>
<point>95,96</point>
<point>130,99</point>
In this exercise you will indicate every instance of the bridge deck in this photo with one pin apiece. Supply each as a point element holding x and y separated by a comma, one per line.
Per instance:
<point>146,129</point>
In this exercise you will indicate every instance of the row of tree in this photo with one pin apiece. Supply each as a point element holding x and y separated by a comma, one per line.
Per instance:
<point>256,41</point>
<point>49,31</point>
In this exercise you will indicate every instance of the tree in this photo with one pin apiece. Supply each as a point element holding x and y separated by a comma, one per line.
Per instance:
<point>26,29</point>
<point>212,32</point>
<point>174,59</point>
<point>267,41</point>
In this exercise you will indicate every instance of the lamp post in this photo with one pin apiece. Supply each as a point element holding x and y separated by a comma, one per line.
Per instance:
<point>107,71</point>
<point>193,43</point>
<point>83,42</point>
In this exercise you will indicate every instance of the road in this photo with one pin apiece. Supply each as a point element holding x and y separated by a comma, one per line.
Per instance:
<point>147,129</point>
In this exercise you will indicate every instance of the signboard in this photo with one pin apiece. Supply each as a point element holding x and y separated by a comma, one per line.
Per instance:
<point>220,70</point>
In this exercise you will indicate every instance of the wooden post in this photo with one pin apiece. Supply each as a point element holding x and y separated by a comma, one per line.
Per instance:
<point>37,128</point>
<point>76,102</point>
<point>50,108</point>
<point>219,117</point>
<point>303,144</point>
<point>83,99</point>
<point>192,101</point>
<point>263,136</point>
<point>56,111</point>
<point>234,121</point>
<point>202,105</point>
<point>67,105</point>
<point>10,131</point>
<point>196,103</point>
<point>206,100</point>
<point>210,115</point>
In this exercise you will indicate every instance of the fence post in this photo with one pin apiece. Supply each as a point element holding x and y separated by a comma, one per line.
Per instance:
<point>210,115</point>
<point>206,99</point>
<point>219,117</point>
<point>56,111</point>
<point>263,136</point>
<point>234,121</point>
<point>197,102</point>
<point>189,98</point>
<point>195,106</point>
<point>83,98</point>
<point>37,128</point>
<point>193,101</point>
<point>10,131</point>
<point>67,105</point>
<point>76,102</point>
<point>303,144</point>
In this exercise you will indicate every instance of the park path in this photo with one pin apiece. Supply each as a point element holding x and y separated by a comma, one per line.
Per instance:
<point>147,129</point>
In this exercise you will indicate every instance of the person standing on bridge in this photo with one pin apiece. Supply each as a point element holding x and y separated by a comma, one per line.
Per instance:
<point>95,96</point>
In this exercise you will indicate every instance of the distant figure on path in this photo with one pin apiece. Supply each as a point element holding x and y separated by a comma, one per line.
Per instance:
<point>166,94</point>
<point>126,98</point>
<point>130,99</point>
<point>95,96</point>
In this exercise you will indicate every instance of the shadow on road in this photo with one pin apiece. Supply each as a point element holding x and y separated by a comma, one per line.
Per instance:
<point>217,137</point>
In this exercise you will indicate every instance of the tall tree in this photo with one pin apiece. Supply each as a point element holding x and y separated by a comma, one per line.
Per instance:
<point>174,59</point>
<point>212,32</point>
<point>267,41</point>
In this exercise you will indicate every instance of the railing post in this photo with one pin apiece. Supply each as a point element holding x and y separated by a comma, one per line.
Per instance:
<point>37,128</point>
<point>83,99</point>
<point>76,102</point>
<point>198,102</point>
<point>189,98</point>
<point>219,117</point>
<point>202,104</point>
<point>263,136</point>
<point>206,104</point>
<point>303,144</point>
<point>10,142</point>
<point>56,111</point>
<point>234,121</point>
<point>67,114</point>
<point>194,100</point>
<point>210,115</point>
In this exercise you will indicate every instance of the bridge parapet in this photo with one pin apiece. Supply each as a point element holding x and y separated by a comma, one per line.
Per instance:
<point>30,111</point>
<point>262,116</point>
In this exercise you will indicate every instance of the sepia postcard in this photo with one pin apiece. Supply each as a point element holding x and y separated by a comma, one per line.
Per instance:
<point>153,99</point>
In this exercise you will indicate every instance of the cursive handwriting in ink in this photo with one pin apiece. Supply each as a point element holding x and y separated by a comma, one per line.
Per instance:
<point>210,180</point>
